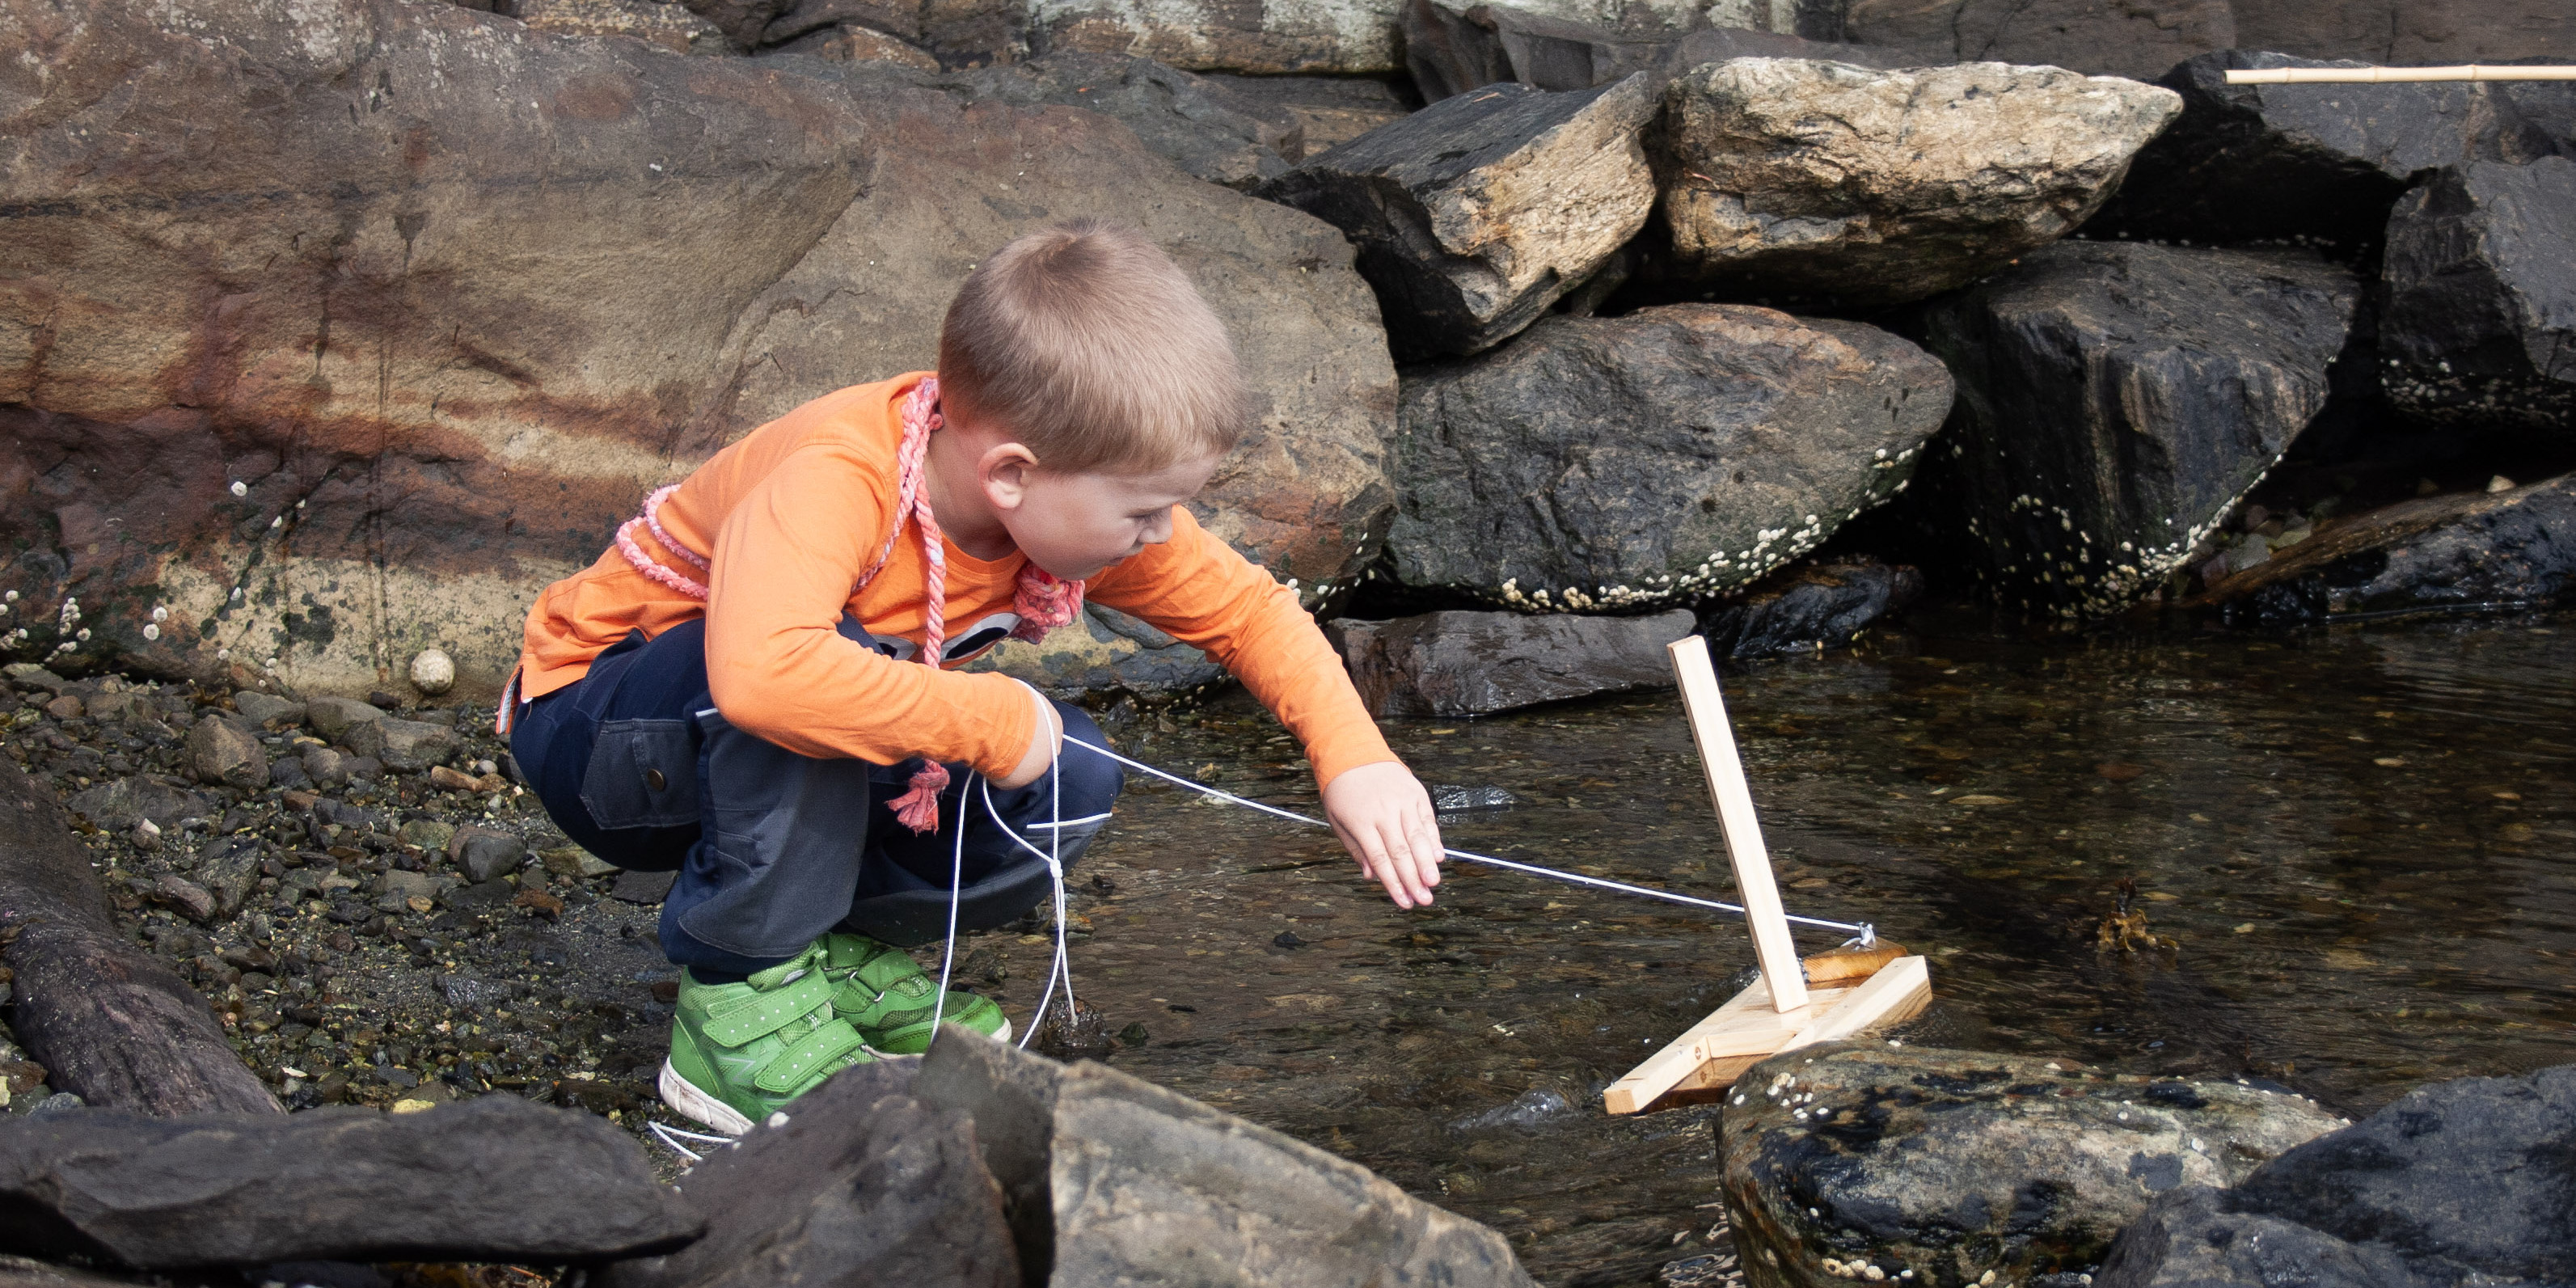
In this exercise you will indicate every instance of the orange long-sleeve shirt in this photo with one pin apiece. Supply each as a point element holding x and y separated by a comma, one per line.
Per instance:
<point>797,510</point>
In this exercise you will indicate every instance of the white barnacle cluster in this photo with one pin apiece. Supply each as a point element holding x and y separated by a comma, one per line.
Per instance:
<point>2090,580</point>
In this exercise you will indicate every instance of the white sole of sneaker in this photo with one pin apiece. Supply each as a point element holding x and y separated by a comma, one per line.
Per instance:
<point>687,1101</point>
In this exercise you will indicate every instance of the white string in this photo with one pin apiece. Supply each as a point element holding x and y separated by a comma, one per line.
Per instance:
<point>1062,966</point>
<point>956,890</point>
<point>1866,933</point>
<point>672,1136</point>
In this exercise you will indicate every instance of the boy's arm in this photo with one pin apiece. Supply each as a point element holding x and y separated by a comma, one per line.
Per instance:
<point>1200,591</point>
<point>779,667</point>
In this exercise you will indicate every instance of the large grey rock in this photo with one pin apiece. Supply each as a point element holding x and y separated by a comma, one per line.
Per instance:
<point>2133,38</point>
<point>2480,321</point>
<point>1863,1160</point>
<point>2434,554</point>
<point>222,752</point>
<point>2458,1182</point>
<point>118,804</point>
<point>856,1182</point>
<point>1453,49</point>
<point>2116,401</point>
<point>491,1179</point>
<point>2254,162</point>
<point>1469,664</point>
<point>1810,607</point>
<point>408,746</point>
<point>495,404</point>
<point>1476,213</point>
<point>1743,437</point>
<point>1927,179</point>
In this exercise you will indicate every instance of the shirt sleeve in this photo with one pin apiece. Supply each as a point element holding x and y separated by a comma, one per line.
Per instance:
<point>1199,590</point>
<point>785,562</point>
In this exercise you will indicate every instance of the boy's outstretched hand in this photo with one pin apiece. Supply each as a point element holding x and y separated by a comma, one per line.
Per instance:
<point>1385,820</point>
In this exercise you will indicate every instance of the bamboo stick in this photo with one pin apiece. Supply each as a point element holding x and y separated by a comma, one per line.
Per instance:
<point>2391,75</point>
<point>1763,915</point>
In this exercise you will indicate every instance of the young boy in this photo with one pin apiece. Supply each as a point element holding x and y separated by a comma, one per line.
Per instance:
<point>736,689</point>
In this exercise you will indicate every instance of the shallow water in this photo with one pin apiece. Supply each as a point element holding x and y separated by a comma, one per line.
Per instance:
<point>2363,840</point>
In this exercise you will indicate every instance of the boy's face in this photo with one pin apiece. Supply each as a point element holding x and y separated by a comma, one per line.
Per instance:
<point>1074,525</point>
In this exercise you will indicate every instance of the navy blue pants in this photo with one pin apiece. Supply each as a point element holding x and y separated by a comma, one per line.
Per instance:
<point>773,848</point>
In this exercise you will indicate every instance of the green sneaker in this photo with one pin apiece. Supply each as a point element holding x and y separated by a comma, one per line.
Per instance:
<point>887,997</point>
<point>739,1051</point>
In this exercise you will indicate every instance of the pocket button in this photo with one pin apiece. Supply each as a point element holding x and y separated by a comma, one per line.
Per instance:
<point>653,778</point>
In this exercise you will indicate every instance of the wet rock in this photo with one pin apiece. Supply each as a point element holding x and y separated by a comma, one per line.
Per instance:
<point>334,717</point>
<point>66,707</point>
<point>461,991</point>
<point>1447,799</point>
<point>229,869</point>
<point>2462,551</point>
<point>1930,178</point>
<point>2453,1183</point>
<point>18,1272</point>
<point>1954,1164</point>
<point>187,897</point>
<point>1746,436</point>
<point>433,835</point>
<point>1106,652</point>
<point>856,1182</point>
<point>406,746</point>
<point>1476,213</point>
<point>220,751</point>
<point>1467,663</point>
<point>326,766</point>
<point>1205,127</point>
<point>1810,607</point>
<point>2250,162</point>
<point>483,853</point>
<point>268,711</point>
<point>118,805</point>
<point>2139,39</point>
<point>2480,320</point>
<point>1451,50</point>
<point>492,1179</point>
<point>2116,402</point>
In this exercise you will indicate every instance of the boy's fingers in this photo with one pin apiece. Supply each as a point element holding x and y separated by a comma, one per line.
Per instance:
<point>1364,847</point>
<point>1407,861</point>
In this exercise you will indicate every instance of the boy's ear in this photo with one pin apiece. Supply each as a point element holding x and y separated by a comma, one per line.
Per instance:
<point>1003,472</point>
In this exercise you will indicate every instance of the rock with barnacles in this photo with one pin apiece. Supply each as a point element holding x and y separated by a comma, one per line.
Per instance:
<point>1475,214</point>
<point>1799,179</point>
<point>1605,463</point>
<point>2480,323</point>
<point>2116,400</point>
<point>1873,1162</point>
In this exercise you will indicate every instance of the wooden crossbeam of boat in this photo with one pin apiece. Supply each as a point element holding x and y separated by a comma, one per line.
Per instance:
<point>1795,1003</point>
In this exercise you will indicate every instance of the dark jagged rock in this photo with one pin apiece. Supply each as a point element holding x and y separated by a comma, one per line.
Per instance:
<point>2463,551</point>
<point>1927,178</point>
<point>1811,606</point>
<point>2480,321</point>
<point>856,1181</point>
<point>1744,436</point>
<point>1469,663</point>
<point>2458,1182</point>
<point>1865,1161</point>
<point>1451,50</point>
<point>492,1179</point>
<point>2116,401</point>
<point>1476,213</point>
<point>2255,162</point>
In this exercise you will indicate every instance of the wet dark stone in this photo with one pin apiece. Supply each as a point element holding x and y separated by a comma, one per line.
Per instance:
<point>1811,606</point>
<point>2480,323</point>
<point>2252,162</point>
<point>482,853</point>
<point>494,1179</point>
<point>1473,663</point>
<point>2440,553</point>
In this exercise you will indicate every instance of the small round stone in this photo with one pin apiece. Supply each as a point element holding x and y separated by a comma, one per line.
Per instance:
<point>433,672</point>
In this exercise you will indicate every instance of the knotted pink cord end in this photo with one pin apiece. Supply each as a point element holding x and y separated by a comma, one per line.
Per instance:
<point>918,809</point>
<point>653,519</point>
<point>1043,602</point>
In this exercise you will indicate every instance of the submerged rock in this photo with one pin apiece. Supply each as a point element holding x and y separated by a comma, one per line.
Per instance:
<point>1812,606</point>
<point>1868,1161</point>
<point>1468,664</point>
<point>2458,1182</point>
<point>1662,455</point>
<point>2116,401</point>
<point>2250,162</point>
<point>2480,321</point>
<point>1928,178</point>
<point>1476,213</point>
<point>2461,551</point>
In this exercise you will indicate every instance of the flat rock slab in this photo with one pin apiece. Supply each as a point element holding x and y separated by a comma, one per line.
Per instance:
<point>2480,321</point>
<point>2250,162</point>
<point>2117,400</point>
<point>491,1179</point>
<point>1868,1161</point>
<point>2458,1182</point>
<point>1470,663</point>
<point>2434,554</point>
<point>1476,213</point>
<point>1743,437</point>
<point>1928,178</point>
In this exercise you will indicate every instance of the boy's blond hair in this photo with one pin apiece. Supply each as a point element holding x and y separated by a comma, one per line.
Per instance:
<point>1088,344</point>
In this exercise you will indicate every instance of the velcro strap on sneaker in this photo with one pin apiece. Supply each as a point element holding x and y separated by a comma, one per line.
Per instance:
<point>818,1050</point>
<point>766,1013</point>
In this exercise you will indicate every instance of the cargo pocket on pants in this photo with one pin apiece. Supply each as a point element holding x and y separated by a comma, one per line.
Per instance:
<point>643,773</point>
